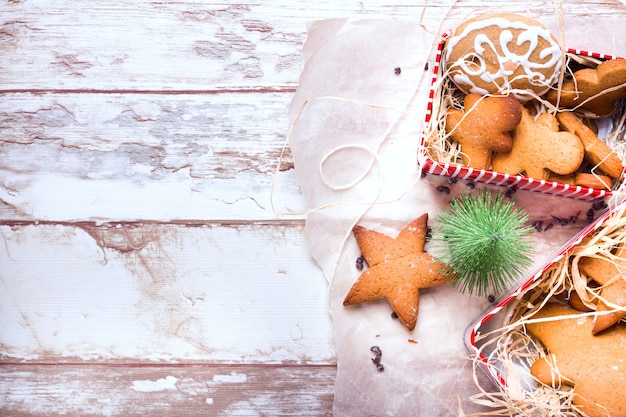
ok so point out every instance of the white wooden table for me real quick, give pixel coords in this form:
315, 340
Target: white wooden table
143, 270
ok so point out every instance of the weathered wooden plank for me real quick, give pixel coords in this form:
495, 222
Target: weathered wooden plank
215, 293
144, 156
87, 390
153, 45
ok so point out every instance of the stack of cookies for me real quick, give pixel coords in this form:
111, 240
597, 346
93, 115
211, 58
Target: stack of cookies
520, 105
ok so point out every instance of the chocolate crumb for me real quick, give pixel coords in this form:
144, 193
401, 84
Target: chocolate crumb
452, 180
394, 315
415, 342
359, 263
443, 189
599, 205
397, 70
549, 226
590, 215
471, 185
378, 353
491, 298
380, 367
538, 225
426, 67
560, 220
510, 191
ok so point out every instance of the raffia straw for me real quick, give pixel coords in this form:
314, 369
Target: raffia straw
513, 351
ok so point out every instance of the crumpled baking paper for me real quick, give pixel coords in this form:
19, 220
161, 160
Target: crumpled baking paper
356, 122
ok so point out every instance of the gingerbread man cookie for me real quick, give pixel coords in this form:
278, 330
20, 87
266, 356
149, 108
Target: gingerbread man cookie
482, 128
594, 89
398, 269
593, 365
540, 149
609, 274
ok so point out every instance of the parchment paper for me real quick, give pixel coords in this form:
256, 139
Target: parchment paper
355, 132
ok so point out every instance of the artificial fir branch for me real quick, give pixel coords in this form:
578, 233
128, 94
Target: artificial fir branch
484, 241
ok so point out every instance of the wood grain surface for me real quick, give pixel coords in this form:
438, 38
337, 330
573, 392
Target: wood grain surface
147, 263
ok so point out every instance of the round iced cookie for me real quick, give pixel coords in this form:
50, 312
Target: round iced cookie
503, 53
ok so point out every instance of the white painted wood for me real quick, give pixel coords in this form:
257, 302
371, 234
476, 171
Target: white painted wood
72, 157
230, 293
198, 390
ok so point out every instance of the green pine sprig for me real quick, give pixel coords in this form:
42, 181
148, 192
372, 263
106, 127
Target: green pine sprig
484, 241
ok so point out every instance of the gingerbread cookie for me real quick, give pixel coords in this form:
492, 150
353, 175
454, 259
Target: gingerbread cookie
598, 153
539, 149
584, 179
593, 89
503, 53
610, 274
593, 365
599, 182
482, 128
398, 269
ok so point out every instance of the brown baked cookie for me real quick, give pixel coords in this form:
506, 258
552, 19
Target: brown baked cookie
599, 182
593, 365
597, 152
503, 53
584, 179
482, 128
610, 274
398, 269
594, 89
539, 149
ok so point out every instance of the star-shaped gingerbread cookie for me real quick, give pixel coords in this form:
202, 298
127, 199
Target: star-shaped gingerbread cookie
611, 275
593, 365
594, 89
398, 269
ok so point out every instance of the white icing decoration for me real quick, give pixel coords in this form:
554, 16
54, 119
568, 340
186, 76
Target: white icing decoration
531, 35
